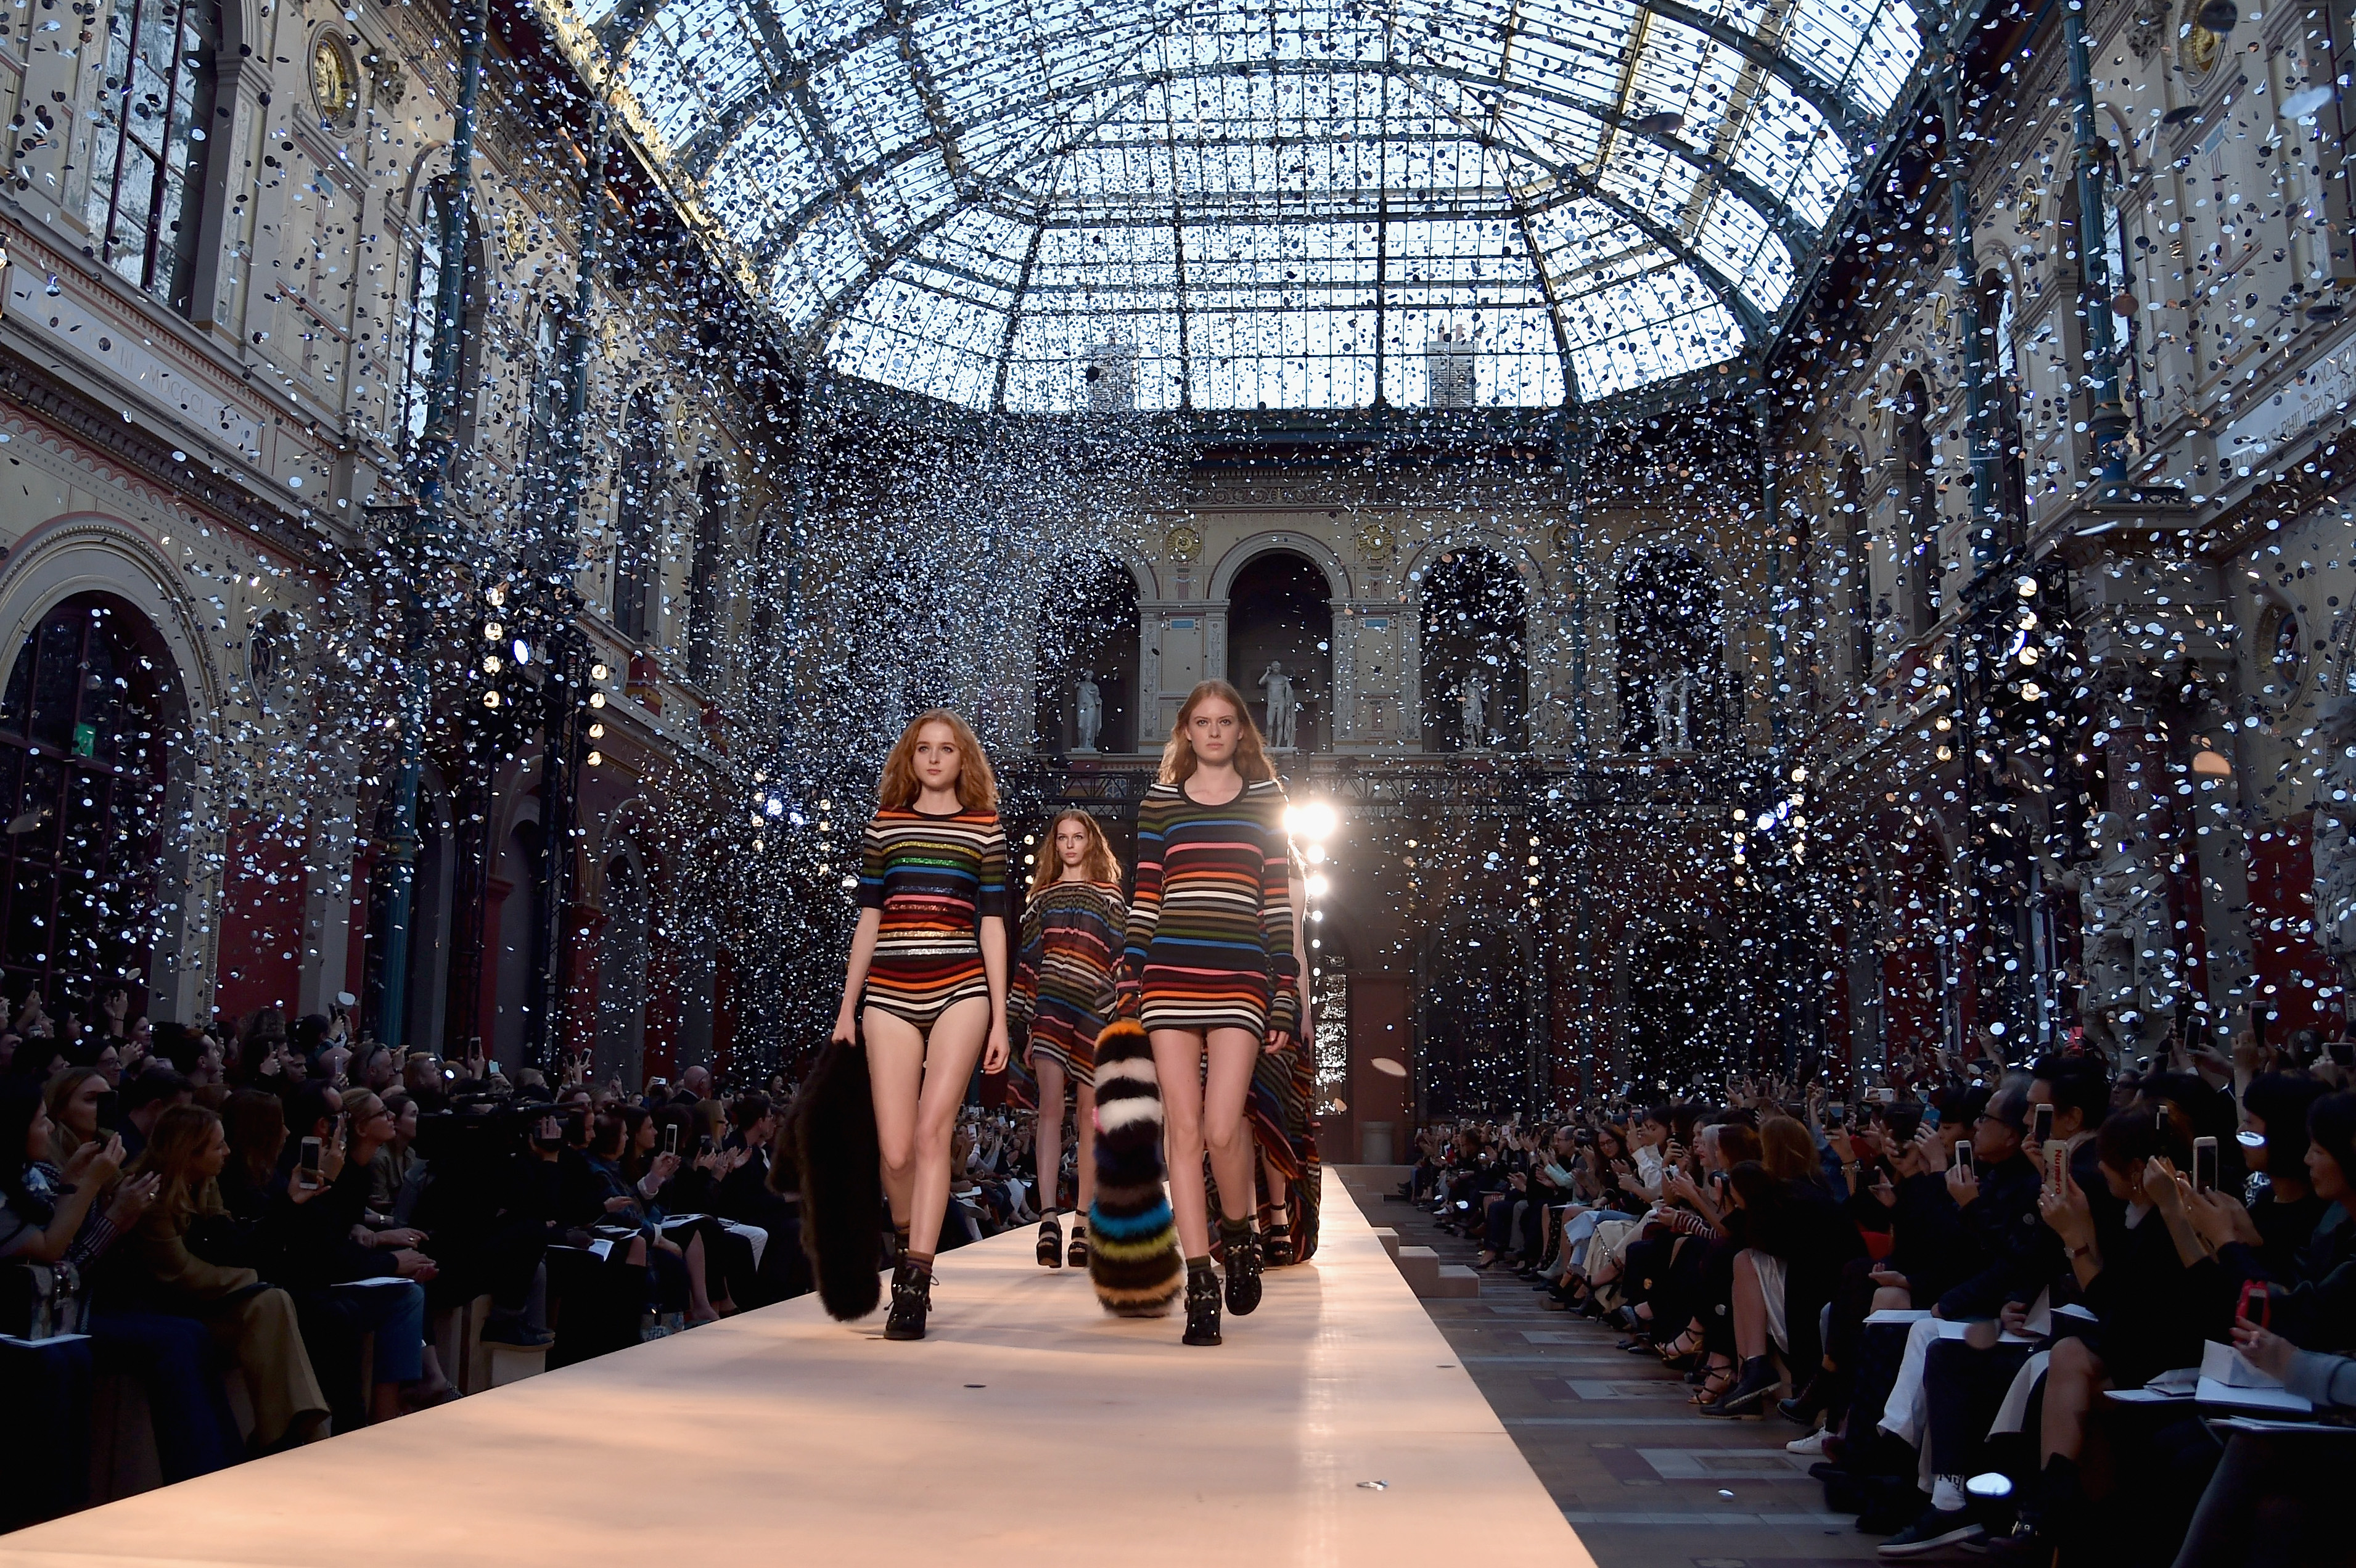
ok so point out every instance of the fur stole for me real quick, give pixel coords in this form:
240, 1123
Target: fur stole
1133, 1258
842, 1170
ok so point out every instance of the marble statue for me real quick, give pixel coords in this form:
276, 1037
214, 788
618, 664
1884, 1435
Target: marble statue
1091, 721
1282, 707
2126, 939
1473, 698
1673, 711
2335, 834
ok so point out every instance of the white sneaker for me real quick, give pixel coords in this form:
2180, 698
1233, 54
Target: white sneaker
1814, 1442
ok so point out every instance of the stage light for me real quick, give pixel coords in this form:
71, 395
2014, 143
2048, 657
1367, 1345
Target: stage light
522, 652
1312, 820
1317, 885
1315, 853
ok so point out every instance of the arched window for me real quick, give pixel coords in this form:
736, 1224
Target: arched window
703, 599
2000, 322
85, 729
637, 520
1473, 631
1917, 508
1675, 688
151, 142
420, 319
544, 454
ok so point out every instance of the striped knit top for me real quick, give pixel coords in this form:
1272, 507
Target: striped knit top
1214, 891
1072, 935
934, 877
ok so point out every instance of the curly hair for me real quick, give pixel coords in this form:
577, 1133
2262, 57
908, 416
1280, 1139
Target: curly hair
976, 786
1096, 862
1251, 753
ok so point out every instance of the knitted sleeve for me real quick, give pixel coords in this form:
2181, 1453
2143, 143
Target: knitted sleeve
990, 897
873, 861
1116, 915
1276, 918
1023, 995
1145, 903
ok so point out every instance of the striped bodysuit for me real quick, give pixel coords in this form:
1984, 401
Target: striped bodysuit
1064, 970
934, 879
1210, 930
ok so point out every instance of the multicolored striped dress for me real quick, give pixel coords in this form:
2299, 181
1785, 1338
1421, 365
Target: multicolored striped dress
1064, 970
936, 878
1210, 929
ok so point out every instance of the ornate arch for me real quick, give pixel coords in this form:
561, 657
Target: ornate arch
1304, 543
81, 553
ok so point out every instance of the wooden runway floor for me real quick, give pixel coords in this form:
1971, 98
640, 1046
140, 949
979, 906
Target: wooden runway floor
1030, 1428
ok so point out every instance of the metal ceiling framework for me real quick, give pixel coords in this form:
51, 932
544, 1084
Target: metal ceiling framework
1281, 204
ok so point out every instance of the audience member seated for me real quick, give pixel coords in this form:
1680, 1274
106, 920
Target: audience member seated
179, 1260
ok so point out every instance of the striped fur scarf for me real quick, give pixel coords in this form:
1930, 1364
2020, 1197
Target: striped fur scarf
1133, 1236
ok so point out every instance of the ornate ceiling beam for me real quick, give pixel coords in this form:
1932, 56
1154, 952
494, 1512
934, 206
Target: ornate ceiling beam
1798, 236
1809, 89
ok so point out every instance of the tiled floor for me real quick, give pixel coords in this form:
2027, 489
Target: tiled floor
1646, 1483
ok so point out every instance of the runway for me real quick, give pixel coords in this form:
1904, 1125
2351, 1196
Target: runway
1334, 1426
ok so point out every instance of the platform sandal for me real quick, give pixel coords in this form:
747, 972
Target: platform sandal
1051, 1243
1078, 1256
1713, 1386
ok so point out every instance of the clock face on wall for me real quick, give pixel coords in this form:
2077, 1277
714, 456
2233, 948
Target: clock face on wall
334, 81
2196, 46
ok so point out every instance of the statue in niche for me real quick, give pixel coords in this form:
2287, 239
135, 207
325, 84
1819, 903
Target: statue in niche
2129, 980
1673, 711
1282, 707
2335, 835
1091, 720
1473, 698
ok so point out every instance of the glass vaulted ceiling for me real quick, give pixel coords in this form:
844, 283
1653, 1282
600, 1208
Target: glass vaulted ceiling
1032, 204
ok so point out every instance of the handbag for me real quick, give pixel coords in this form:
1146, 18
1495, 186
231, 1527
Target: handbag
42, 1301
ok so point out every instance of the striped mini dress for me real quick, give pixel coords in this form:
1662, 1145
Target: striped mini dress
934, 877
1064, 972
1210, 929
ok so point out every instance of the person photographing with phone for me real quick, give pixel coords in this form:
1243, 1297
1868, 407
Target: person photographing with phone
349, 1281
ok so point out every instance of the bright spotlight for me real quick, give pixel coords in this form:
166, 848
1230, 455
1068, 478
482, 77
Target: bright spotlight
1314, 854
1311, 819
522, 652
1317, 885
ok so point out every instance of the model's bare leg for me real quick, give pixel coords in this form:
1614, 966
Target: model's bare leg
1178, 1063
956, 1045
895, 1066
1084, 1097
1050, 1139
1234, 1053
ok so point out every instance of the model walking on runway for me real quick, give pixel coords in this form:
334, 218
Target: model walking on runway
1064, 994
928, 976
1210, 952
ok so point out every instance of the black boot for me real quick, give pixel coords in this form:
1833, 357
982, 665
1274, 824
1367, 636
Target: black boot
1749, 1395
1202, 1307
911, 1297
1242, 1267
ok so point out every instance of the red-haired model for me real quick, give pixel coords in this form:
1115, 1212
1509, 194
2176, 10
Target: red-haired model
1064, 994
928, 976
